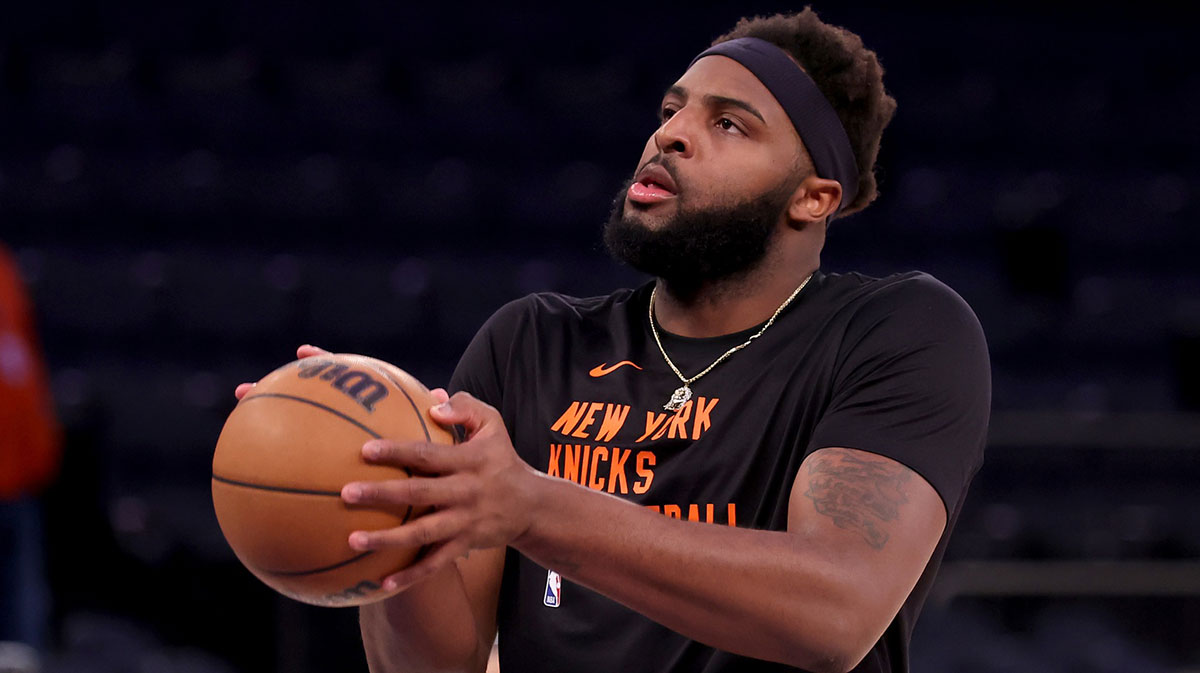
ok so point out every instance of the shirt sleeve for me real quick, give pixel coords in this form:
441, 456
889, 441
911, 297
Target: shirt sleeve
482, 367
913, 383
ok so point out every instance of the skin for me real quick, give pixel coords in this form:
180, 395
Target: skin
726, 149
861, 527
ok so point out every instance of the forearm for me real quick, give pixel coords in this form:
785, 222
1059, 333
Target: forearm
762, 594
427, 627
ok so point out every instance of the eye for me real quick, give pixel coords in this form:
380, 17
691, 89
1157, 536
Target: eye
666, 113
728, 124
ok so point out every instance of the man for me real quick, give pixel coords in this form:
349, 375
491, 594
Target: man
745, 465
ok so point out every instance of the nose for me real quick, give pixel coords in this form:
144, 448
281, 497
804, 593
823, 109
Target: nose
674, 135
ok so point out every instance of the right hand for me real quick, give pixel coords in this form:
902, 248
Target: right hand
305, 351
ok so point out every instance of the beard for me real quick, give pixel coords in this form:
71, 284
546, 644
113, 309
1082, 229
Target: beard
698, 247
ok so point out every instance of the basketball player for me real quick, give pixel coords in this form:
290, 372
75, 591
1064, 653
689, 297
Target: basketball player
744, 465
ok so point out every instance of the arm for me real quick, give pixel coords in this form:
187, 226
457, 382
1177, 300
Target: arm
817, 596
448, 622
445, 623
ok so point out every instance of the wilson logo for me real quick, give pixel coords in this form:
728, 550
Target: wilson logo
604, 370
357, 385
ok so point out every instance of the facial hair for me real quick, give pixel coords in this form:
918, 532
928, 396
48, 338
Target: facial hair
698, 247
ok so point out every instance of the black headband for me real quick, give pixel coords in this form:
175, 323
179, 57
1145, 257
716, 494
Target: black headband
812, 115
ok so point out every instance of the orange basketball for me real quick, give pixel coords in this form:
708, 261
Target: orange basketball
283, 457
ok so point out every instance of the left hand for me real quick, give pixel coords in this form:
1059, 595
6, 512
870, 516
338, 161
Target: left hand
481, 492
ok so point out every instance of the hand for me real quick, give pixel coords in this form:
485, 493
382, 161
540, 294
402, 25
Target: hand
305, 351
481, 492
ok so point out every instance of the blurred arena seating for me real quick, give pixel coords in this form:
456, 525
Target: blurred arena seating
195, 189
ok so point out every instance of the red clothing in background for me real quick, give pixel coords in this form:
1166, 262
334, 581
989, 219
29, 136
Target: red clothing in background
29, 432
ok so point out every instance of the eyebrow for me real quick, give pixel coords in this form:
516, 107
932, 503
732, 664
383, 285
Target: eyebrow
713, 100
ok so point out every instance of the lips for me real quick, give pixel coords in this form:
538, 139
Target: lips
652, 184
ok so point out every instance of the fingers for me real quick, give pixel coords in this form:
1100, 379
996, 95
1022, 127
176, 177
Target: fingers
308, 350
463, 409
418, 491
305, 351
429, 529
420, 456
440, 396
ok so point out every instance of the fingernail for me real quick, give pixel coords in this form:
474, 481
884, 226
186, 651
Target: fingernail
443, 408
352, 492
390, 585
371, 450
358, 540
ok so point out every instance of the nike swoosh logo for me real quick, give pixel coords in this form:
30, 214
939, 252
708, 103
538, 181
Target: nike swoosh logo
604, 370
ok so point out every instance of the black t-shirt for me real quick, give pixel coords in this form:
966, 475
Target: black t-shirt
896, 366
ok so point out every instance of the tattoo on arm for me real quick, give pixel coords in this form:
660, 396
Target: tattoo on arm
860, 493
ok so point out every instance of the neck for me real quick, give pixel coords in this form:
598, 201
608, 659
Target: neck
730, 305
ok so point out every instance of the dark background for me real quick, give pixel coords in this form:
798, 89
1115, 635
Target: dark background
193, 189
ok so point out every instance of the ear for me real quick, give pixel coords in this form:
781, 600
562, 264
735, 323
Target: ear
814, 200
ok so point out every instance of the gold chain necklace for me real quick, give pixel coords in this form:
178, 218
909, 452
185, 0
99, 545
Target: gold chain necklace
684, 393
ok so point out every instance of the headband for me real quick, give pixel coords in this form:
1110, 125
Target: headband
812, 115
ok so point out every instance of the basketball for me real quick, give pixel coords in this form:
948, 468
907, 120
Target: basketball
285, 453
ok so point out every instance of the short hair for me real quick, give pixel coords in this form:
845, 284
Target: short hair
845, 71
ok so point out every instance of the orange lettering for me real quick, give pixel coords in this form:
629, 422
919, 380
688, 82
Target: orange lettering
583, 465
570, 417
644, 459
616, 470
679, 421
587, 420
597, 484
693, 512
571, 462
555, 455
703, 421
614, 419
653, 420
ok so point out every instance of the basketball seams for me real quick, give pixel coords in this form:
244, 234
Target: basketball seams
293, 573
335, 412
399, 386
305, 400
276, 489
293, 420
315, 571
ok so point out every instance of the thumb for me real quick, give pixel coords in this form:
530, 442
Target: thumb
463, 409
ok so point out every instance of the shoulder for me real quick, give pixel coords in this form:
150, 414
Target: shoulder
910, 287
914, 300
520, 332
552, 308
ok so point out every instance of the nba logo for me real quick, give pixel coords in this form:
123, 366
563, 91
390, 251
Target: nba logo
553, 595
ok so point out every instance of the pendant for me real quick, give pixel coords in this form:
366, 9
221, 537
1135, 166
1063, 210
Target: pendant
678, 398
